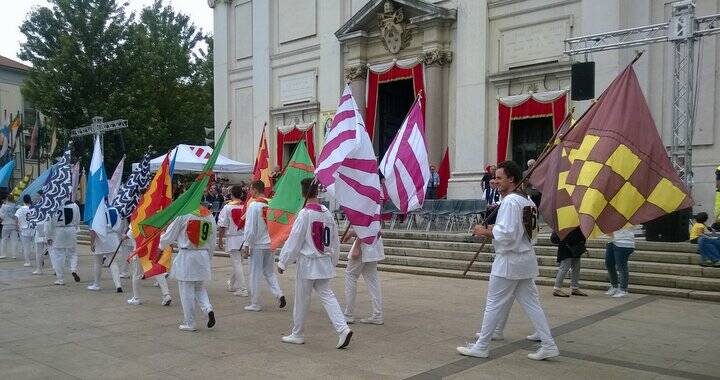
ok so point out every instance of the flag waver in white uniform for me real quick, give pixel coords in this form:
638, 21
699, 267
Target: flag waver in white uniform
405, 166
348, 169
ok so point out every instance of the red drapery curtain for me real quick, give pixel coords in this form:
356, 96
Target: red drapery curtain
394, 73
532, 107
295, 136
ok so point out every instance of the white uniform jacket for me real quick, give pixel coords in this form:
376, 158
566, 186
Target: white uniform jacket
233, 219
256, 232
63, 225
195, 238
514, 255
314, 243
22, 217
109, 242
7, 213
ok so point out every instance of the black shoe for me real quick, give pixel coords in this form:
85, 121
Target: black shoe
211, 319
76, 277
282, 302
119, 290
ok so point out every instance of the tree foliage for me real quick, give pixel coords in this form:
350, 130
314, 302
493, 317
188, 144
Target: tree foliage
92, 58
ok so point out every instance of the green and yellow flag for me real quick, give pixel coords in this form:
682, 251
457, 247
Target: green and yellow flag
611, 169
288, 199
190, 200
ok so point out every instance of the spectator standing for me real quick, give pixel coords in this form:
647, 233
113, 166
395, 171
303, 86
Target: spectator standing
433, 183
569, 254
617, 254
530, 190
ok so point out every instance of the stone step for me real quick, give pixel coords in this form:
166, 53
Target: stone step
591, 262
551, 250
543, 240
600, 275
595, 285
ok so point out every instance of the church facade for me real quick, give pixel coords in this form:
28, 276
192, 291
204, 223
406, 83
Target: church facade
492, 73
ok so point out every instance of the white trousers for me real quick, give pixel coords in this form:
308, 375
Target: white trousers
60, 256
262, 263
137, 275
40, 249
9, 242
237, 277
368, 270
122, 259
303, 291
26, 242
114, 269
501, 294
191, 292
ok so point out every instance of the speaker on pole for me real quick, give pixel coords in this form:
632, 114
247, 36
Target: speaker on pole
582, 81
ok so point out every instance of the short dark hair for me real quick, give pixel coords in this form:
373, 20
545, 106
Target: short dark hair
701, 217
511, 169
309, 188
258, 185
238, 193
27, 199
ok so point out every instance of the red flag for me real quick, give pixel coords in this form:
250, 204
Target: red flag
261, 171
444, 173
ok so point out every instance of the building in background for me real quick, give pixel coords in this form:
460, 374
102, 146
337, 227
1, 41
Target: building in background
493, 74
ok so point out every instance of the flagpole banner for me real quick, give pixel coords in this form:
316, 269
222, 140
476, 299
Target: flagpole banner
405, 166
261, 169
97, 192
56, 191
128, 194
348, 169
444, 172
6, 172
115, 180
611, 169
288, 199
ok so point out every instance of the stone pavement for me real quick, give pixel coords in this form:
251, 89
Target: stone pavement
69, 332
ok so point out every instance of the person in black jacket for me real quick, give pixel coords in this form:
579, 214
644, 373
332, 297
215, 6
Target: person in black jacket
569, 252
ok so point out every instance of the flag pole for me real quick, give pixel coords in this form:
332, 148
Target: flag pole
541, 158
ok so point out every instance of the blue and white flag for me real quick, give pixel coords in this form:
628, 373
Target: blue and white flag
129, 193
56, 190
6, 172
96, 194
38, 183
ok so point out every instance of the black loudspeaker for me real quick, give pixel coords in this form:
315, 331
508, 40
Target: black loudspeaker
582, 81
672, 227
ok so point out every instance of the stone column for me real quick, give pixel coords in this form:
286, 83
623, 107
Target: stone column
435, 61
221, 92
357, 77
261, 73
330, 75
468, 137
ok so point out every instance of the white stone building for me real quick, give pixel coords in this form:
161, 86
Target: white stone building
285, 62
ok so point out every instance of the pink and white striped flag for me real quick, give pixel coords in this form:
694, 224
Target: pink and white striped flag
405, 166
348, 169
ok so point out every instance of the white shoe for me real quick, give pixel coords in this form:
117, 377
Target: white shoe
470, 351
27, 265
3, 257
93, 287
166, 300
344, 340
253, 308
59, 282
187, 328
37, 272
293, 339
134, 301
611, 291
242, 293
544, 353
372, 321
620, 294
228, 286
349, 320
498, 336
534, 337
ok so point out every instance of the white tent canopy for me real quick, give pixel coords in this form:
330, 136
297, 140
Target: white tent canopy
192, 158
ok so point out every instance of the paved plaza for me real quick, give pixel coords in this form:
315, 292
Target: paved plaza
68, 332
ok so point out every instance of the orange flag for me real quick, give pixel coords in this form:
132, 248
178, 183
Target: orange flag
261, 171
157, 197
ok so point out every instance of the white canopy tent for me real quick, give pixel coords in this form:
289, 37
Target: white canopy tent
192, 158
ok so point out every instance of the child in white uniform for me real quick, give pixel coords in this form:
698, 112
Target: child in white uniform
61, 230
26, 231
230, 226
314, 244
194, 235
9, 236
103, 246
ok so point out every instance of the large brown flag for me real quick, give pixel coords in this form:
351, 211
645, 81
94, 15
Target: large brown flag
613, 166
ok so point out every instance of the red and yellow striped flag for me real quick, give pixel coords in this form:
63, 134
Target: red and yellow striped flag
261, 171
157, 197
